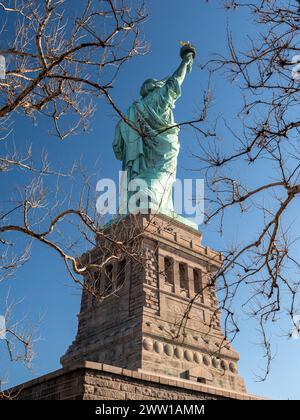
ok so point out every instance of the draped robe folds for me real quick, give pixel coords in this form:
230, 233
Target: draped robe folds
148, 144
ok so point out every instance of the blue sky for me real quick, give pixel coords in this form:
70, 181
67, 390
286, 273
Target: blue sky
43, 282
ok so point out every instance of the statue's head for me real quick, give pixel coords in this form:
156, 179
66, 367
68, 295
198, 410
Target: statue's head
149, 85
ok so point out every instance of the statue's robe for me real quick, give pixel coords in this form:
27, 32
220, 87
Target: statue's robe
148, 144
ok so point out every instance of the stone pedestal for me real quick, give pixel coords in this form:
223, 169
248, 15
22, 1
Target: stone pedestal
97, 381
164, 319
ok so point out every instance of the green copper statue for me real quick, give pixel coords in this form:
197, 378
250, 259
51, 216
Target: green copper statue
147, 139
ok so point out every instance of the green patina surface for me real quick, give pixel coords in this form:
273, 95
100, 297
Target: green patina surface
147, 142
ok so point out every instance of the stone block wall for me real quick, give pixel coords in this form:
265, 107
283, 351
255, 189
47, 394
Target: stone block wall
97, 381
142, 326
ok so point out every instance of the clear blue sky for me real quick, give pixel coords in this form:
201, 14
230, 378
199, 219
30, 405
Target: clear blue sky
44, 283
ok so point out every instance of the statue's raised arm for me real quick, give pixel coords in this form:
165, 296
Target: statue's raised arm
147, 142
187, 54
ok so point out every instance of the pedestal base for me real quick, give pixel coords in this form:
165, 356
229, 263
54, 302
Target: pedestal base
96, 381
165, 318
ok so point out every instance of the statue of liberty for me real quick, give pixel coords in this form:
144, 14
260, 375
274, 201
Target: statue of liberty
146, 140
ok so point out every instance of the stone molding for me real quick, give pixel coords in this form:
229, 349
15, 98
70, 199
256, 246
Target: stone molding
164, 383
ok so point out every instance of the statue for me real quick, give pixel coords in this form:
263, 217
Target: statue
146, 140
